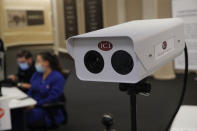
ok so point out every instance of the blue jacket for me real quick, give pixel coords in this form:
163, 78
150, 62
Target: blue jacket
44, 91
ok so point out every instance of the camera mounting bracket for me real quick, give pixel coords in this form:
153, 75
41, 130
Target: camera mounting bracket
140, 88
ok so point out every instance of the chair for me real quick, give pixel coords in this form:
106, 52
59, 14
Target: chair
49, 108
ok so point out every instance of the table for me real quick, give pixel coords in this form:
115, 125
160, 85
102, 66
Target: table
186, 119
18, 99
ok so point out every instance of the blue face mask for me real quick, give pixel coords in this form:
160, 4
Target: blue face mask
23, 66
39, 68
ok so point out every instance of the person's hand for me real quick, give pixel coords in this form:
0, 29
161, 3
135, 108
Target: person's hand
30, 108
25, 85
12, 77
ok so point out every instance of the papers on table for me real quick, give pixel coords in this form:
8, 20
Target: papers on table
17, 98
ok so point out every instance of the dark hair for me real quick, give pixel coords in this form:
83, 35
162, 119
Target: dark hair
24, 53
52, 59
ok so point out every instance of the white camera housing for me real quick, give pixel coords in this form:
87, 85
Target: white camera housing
141, 46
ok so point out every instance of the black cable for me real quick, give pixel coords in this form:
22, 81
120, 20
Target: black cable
183, 90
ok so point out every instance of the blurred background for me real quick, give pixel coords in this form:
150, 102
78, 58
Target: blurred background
44, 25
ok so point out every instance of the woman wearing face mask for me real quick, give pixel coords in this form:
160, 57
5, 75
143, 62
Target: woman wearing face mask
47, 86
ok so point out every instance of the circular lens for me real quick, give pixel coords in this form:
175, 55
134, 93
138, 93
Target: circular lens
94, 61
122, 62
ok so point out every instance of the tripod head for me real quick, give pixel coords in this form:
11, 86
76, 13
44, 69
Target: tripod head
141, 88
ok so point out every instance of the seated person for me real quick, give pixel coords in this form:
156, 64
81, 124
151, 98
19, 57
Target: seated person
25, 71
47, 86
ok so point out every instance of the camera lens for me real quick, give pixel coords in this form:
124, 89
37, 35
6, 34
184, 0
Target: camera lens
122, 62
94, 61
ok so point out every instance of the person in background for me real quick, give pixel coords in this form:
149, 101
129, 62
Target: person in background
47, 86
25, 71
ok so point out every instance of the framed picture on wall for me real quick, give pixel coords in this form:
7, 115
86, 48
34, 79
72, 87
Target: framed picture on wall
24, 18
35, 17
16, 18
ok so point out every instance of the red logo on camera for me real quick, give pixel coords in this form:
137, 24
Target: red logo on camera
164, 45
105, 45
2, 112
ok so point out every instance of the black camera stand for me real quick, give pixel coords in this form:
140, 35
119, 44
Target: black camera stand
140, 88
